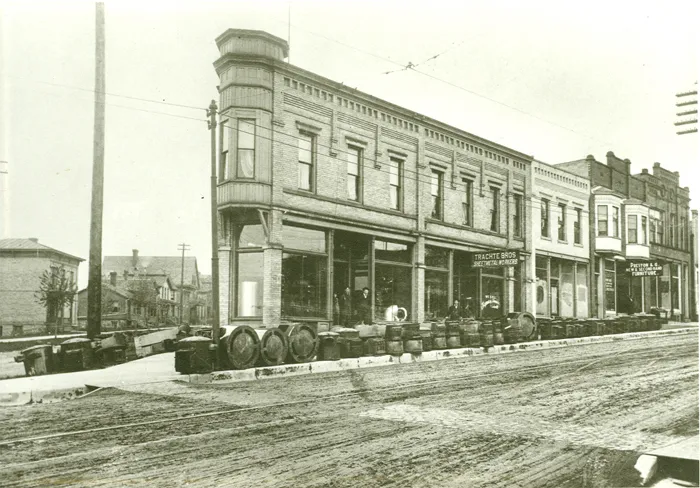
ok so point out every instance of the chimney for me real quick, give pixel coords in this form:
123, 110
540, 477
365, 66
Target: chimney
126, 275
134, 257
34, 239
113, 278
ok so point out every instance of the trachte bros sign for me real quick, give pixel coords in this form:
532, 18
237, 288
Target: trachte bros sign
496, 259
645, 268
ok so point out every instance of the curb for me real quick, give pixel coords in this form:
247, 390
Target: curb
262, 373
234, 376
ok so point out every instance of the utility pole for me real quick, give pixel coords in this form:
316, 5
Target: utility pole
94, 314
211, 112
182, 247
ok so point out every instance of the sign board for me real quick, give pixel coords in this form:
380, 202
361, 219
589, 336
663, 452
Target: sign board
644, 268
495, 259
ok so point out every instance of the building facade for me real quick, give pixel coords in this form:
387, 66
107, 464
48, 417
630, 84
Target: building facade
560, 236
640, 236
22, 263
324, 190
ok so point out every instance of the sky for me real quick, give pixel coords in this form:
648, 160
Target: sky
548, 78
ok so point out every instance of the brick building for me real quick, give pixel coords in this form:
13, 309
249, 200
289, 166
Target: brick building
561, 242
323, 188
22, 263
641, 239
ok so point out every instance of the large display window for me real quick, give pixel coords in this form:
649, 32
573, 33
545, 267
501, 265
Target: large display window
393, 278
304, 272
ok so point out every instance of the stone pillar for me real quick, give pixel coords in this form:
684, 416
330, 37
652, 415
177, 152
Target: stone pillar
272, 272
225, 285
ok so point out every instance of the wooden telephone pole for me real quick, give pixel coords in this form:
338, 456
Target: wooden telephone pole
211, 112
182, 247
94, 313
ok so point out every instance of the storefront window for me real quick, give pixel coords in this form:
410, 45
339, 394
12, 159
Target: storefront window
517, 288
610, 286
435, 294
675, 288
581, 290
393, 289
554, 287
392, 251
492, 297
665, 285
251, 236
303, 239
436, 257
567, 289
250, 284
541, 264
304, 285
466, 284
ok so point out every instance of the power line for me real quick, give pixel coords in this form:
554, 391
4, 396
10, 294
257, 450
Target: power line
411, 66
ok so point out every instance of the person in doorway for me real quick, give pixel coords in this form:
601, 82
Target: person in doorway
336, 309
454, 313
345, 304
364, 307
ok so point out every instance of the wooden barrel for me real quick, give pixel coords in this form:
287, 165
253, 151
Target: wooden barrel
350, 347
242, 347
328, 346
513, 333
427, 337
454, 340
374, 346
473, 340
273, 346
411, 331
498, 338
393, 332
302, 342
439, 342
413, 345
394, 347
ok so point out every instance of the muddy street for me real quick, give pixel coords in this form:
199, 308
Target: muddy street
571, 417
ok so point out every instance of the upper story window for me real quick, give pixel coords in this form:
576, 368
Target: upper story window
468, 203
246, 148
224, 161
436, 193
632, 229
656, 227
603, 220
305, 169
577, 227
561, 223
683, 227
672, 234
643, 233
616, 221
354, 168
395, 186
518, 215
495, 210
544, 218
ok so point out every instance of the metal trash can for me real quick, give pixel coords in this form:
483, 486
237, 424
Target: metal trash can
194, 355
38, 360
76, 354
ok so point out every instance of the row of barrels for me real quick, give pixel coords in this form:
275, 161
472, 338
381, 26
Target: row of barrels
567, 328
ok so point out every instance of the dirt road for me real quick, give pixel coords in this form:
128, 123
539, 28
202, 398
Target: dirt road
573, 417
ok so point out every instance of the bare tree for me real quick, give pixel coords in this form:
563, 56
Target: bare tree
144, 296
55, 291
